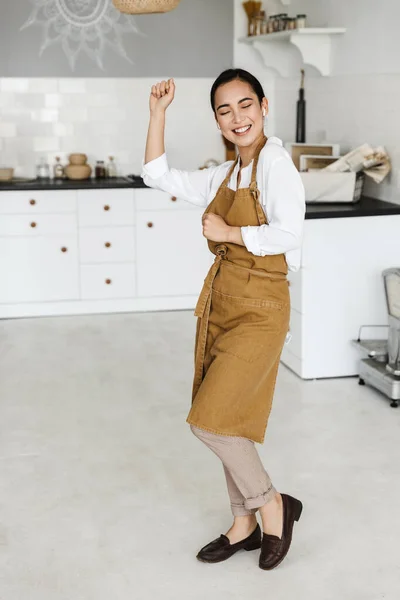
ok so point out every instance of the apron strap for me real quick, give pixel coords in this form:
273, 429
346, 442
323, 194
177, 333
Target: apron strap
253, 185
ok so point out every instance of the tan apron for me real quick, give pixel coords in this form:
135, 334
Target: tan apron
243, 318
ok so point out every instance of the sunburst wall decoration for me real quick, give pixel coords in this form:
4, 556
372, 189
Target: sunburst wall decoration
81, 26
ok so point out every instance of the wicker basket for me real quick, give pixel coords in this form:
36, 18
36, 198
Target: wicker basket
142, 7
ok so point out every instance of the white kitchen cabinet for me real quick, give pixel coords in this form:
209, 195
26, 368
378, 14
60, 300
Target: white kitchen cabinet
107, 244
38, 225
172, 254
37, 202
106, 208
38, 269
109, 281
149, 199
338, 288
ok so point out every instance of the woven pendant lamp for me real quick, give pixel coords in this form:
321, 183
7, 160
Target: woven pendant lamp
143, 7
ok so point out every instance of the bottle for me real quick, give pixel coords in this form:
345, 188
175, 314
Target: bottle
43, 169
270, 25
58, 169
301, 21
111, 167
100, 170
264, 23
301, 113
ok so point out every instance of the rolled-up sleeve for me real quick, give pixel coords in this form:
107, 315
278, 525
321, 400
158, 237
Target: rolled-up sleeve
285, 210
192, 186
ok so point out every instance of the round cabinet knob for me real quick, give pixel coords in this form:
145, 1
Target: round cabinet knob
108, 281
106, 207
32, 202
107, 245
174, 198
64, 249
149, 224
33, 224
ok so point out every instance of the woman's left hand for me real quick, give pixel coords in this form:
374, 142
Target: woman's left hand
215, 228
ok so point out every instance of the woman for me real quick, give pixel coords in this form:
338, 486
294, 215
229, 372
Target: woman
253, 223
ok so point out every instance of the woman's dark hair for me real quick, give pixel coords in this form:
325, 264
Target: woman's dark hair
231, 75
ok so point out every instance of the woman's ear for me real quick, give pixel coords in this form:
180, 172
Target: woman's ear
264, 105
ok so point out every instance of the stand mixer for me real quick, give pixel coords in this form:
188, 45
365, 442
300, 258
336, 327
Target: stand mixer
381, 367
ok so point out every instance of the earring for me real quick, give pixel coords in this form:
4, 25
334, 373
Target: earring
218, 126
264, 113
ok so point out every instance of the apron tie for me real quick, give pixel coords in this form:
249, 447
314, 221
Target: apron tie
205, 295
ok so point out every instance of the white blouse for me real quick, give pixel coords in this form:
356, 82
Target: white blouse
281, 197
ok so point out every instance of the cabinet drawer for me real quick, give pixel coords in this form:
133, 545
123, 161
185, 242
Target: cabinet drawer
38, 225
37, 202
149, 199
102, 208
108, 244
39, 269
107, 281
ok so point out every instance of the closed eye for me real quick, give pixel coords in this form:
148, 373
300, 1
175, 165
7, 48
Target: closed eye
248, 106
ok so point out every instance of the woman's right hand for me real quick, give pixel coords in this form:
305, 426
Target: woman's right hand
161, 96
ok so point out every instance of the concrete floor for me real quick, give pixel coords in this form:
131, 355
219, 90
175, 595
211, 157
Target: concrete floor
106, 495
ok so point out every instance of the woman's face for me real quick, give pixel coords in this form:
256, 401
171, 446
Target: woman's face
238, 113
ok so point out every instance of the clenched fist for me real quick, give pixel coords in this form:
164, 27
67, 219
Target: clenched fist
215, 229
161, 96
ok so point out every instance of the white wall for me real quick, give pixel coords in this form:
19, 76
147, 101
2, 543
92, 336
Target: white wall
49, 117
359, 102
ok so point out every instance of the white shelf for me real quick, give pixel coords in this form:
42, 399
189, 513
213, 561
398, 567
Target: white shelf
314, 44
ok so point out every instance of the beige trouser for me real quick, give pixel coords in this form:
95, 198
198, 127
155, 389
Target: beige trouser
249, 485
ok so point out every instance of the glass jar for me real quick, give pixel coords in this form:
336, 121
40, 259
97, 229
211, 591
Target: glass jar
270, 24
43, 169
292, 23
58, 169
301, 21
282, 21
264, 23
100, 170
111, 167
258, 24
276, 23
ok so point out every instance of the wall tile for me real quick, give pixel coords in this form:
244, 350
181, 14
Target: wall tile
14, 84
72, 86
54, 100
8, 130
46, 144
42, 85
73, 115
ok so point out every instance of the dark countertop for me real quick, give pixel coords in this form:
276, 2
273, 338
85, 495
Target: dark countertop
367, 207
69, 184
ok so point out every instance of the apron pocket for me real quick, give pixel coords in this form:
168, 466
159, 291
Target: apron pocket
250, 328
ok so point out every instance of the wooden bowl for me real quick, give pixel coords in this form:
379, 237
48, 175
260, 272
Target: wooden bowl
78, 171
6, 173
77, 159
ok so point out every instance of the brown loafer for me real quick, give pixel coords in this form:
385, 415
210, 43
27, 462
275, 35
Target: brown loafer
274, 549
221, 548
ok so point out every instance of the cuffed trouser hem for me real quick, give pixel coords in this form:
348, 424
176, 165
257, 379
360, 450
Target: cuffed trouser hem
239, 510
256, 503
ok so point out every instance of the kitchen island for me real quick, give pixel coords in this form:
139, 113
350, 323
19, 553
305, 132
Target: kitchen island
102, 246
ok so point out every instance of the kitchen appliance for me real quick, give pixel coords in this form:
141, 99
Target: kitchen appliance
381, 366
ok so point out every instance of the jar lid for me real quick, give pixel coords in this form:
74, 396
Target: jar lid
301, 16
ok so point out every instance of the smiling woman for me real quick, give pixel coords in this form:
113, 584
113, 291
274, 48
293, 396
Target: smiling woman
253, 221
